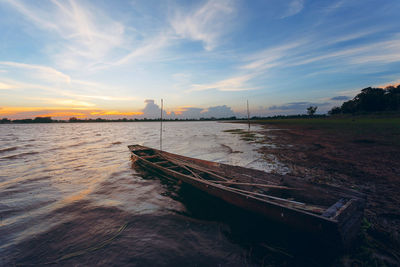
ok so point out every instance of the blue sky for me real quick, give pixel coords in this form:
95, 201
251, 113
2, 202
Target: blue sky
106, 58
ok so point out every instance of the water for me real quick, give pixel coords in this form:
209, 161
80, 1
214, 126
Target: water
69, 195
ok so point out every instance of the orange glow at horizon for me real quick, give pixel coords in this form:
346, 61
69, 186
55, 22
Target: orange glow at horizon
64, 115
114, 112
60, 113
78, 112
181, 109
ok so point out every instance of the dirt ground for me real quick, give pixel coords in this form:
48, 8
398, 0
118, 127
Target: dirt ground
368, 164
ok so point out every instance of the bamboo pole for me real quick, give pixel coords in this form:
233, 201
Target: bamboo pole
248, 114
161, 124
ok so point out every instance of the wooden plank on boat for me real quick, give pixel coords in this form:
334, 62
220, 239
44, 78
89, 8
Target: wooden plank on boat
322, 210
257, 185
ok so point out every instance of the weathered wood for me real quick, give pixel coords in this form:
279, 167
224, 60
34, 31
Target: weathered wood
172, 167
257, 185
297, 203
294, 204
198, 168
150, 157
332, 210
161, 162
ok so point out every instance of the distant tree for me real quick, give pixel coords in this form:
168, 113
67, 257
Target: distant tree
43, 120
392, 98
372, 100
5, 120
335, 110
349, 107
23, 121
311, 110
73, 119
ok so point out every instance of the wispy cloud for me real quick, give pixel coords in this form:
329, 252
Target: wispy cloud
392, 83
6, 86
71, 103
49, 81
145, 50
270, 57
295, 6
206, 24
308, 51
234, 84
115, 113
376, 52
45, 72
88, 37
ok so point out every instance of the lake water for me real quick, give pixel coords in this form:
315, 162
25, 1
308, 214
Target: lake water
69, 195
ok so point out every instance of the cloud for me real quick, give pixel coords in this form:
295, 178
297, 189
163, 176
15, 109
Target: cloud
5, 86
295, 6
340, 98
270, 57
378, 52
147, 49
234, 84
151, 110
89, 33
218, 112
190, 113
115, 113
392, 83
61, 114
51, 82
308, 51
106, 97
71, 103
206, 24
46, 73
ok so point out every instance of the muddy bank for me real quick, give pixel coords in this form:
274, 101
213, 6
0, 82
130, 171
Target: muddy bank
366, 161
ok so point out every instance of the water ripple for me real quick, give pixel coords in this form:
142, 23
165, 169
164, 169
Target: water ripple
75, 187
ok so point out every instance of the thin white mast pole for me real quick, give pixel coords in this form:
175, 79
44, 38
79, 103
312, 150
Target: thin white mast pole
248, 114
161, 124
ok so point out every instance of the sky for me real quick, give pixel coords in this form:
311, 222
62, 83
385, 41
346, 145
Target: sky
115, 59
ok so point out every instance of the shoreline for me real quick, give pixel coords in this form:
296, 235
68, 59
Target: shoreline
360, 160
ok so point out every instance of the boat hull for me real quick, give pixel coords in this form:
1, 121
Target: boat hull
340, 230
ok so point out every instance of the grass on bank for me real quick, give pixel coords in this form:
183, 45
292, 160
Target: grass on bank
367, 129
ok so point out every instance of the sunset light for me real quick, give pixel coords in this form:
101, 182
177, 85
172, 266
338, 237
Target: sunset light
199, 133
110, 59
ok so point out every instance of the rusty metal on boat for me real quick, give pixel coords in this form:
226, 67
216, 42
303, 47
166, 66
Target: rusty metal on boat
328, 212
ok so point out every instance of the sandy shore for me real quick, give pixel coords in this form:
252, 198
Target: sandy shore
365, 162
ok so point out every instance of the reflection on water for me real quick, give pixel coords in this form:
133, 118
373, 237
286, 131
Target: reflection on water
69, 195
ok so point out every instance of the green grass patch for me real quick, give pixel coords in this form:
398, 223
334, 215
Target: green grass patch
235, 131
360, 129
244, 135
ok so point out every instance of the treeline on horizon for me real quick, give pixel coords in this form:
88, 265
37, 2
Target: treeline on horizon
76, 120
370, 100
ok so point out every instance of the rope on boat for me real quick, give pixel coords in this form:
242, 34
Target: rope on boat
220, 183
296, 204
186, 165
258, 185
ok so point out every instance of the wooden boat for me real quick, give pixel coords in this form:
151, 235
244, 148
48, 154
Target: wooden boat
329, 212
